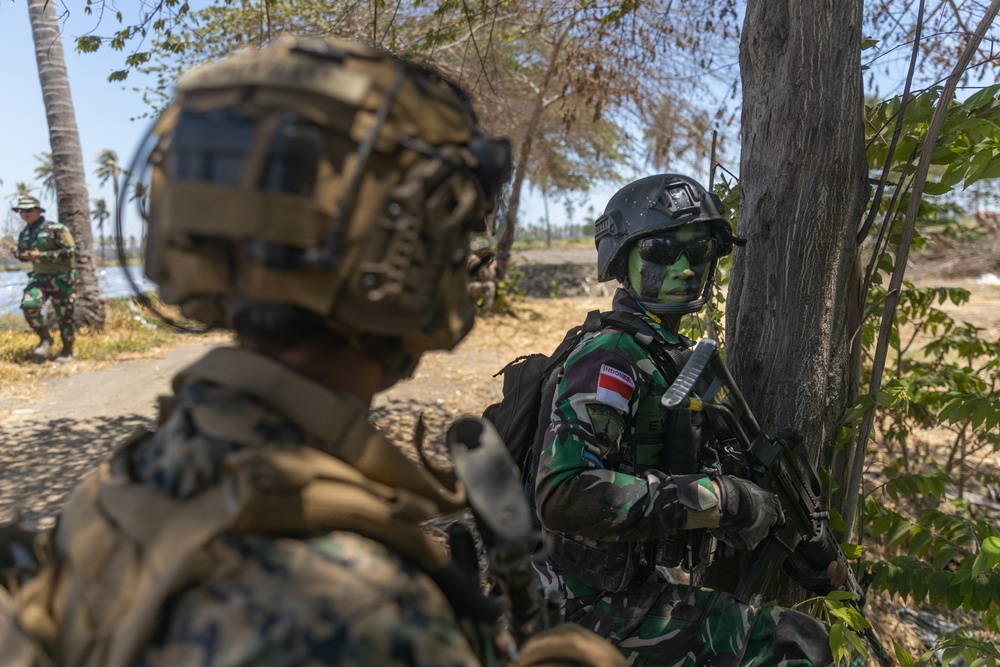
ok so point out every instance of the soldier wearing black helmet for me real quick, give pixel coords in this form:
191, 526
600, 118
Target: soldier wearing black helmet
624, 487
316, 197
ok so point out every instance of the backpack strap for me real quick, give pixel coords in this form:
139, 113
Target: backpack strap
110, 569
670, 357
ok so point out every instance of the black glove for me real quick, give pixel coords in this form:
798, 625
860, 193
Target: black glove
748, 512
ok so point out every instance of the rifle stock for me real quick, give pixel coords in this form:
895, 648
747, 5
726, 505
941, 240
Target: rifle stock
503, 519
803, 545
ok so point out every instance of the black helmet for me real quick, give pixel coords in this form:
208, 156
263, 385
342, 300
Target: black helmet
647, 207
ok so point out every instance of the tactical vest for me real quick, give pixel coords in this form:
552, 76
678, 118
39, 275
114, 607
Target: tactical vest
667, 440
37, 238
108, 569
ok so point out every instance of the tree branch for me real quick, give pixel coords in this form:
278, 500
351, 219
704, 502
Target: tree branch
909, 224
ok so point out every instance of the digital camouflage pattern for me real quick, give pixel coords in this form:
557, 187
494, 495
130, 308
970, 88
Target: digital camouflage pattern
51, 277
337, 598
195, 545
597, 480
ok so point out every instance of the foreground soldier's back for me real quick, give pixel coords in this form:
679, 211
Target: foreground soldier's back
317, 198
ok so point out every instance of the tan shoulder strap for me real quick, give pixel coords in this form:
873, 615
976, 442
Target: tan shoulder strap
17, 647
122, 548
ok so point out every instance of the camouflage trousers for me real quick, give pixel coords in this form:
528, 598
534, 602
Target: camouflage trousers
653, 622
60, 287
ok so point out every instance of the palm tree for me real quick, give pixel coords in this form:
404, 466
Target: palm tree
67, 157
140, 191
100, 214
108, 168
45, 173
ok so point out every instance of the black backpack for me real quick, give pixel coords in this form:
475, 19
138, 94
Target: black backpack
529, 383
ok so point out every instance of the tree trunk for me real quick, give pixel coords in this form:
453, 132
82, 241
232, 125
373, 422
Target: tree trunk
67, 157
793, 299
523, 157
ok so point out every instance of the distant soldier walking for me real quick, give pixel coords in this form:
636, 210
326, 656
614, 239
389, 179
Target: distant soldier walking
49, 246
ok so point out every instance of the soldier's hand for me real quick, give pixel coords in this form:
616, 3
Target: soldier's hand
31, 255
748, 512
569, 645
13, 251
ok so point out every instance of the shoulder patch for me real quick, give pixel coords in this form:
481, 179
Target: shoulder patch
608, 427
615, 387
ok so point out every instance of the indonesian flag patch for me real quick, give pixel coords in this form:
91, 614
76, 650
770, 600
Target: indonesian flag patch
615, 388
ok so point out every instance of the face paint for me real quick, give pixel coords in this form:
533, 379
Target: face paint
673, 266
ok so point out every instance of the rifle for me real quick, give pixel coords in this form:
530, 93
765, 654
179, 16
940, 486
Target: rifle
503, 519
803, 545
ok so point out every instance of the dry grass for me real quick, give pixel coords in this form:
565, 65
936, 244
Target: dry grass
128, 331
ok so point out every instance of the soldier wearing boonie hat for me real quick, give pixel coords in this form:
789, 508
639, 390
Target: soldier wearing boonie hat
49, 246
317, 197
27, 203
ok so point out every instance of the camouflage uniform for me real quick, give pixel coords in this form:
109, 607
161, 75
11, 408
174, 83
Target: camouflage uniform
602, 479
52, 276
482, 279
338, 598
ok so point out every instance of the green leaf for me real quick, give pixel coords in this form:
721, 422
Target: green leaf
990, 170
87, 44
840, 596
991, 546
981, 98
902, 655
852, 551
949, 654
978, 165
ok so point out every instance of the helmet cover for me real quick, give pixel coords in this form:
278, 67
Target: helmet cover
326, 175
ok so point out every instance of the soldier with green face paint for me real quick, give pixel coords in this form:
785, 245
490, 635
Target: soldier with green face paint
628, 491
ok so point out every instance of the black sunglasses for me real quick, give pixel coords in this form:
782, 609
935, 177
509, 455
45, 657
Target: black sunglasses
660, 250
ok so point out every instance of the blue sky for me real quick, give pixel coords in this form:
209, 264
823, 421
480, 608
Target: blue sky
104, 111
109, 114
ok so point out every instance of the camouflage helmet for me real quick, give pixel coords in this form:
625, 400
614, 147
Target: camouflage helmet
326, 175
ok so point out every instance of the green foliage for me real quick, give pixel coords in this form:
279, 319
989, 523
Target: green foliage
709, 321
509, 290
967, 150
938, 549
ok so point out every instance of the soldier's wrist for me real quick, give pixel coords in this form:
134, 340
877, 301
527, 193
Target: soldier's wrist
699, 495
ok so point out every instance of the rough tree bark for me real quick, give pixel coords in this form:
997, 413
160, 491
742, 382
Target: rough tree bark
792, 305
67, 156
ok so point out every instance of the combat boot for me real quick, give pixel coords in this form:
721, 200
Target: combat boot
43, 346
66, 353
